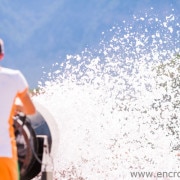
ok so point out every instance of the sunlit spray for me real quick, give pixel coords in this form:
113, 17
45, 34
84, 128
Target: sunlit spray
115, 104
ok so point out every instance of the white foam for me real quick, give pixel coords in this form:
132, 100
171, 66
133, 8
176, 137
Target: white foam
111, 115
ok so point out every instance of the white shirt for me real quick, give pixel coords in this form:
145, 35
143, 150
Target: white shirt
12, 82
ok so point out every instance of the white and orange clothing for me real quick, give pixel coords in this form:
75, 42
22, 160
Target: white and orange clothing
12, 85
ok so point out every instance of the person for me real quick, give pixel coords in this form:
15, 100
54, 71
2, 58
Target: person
12, 85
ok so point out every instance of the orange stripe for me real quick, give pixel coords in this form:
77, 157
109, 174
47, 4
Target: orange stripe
21, 94
11, 133
8, 169
9, 166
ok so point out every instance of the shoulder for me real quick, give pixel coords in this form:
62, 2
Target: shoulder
11, 72
12, 75
13, 78
8, 70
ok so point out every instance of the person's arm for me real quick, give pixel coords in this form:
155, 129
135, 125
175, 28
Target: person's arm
28, 106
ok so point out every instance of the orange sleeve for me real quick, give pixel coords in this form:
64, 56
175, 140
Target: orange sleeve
28, 106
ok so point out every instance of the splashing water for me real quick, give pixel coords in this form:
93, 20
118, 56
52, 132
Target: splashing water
113, 112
